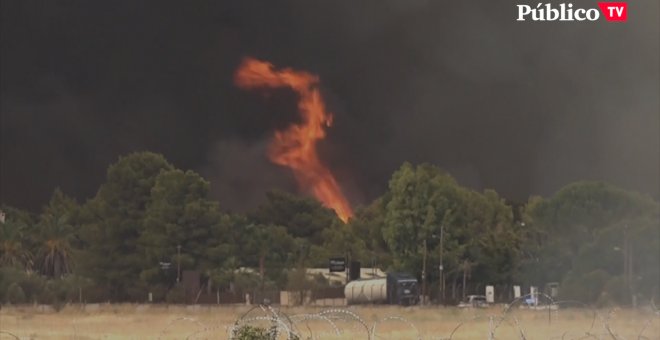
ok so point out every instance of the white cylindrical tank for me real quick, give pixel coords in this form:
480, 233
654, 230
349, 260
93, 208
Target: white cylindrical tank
366, 291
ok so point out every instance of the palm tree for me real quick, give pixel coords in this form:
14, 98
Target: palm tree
13, 251
54, 256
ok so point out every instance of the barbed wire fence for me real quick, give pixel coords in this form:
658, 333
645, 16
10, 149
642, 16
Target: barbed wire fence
335, 322
494, 321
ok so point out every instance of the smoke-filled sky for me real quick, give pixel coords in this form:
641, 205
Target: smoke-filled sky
520, 107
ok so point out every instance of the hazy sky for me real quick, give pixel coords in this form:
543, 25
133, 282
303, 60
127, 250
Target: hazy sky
520, 107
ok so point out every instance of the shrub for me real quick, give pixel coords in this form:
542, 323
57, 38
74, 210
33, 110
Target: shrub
73, 286
48, 295
8, 276
247, 332
39, 289
15, 294
614, 293
32, 285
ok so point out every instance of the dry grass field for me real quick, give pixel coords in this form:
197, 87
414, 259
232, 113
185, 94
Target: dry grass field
117, 321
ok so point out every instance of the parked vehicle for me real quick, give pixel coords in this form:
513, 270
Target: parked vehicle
396, 289
474, 301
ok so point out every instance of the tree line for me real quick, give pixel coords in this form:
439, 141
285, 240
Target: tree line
150, 219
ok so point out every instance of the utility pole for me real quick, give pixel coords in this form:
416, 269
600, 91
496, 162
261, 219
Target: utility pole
347, 263
626, 282
629, 285
424, 276
630, 276
261, 270
178, 263
442, 273
465, 268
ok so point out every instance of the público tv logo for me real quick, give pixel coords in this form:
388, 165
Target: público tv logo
612, 11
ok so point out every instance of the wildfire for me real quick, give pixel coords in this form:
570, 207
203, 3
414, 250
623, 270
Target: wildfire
295, 147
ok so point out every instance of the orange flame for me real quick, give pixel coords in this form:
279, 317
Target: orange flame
295, 147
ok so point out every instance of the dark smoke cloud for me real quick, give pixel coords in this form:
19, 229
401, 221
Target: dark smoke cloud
245, 173
523, 108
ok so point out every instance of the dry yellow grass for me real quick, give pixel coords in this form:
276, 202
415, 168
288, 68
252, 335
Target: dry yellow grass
125, 321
